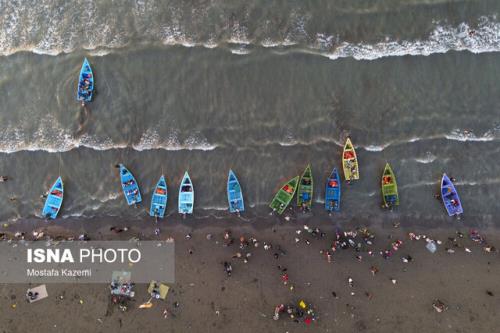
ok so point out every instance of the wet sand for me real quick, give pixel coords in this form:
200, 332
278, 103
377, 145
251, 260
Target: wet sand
210, 301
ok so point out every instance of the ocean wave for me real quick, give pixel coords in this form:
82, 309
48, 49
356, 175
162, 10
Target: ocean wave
454, 135
466, 135
429, 158
53, 28
151, 139
52, 138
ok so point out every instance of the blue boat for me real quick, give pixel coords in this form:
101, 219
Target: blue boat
159, 199
450, 197
129, 186
54, 200
85, 83
186, 195
332, 193
234, 194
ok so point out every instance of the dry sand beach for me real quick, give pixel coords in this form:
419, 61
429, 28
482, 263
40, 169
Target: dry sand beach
205, 299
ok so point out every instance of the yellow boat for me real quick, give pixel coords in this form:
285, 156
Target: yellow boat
350, 161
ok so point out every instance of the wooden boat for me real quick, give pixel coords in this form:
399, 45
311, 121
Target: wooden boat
389, 187
129, 186
332, 192
159, 199
186, 195
450, 197
234, 194
350, 161
54, 200
282, 199
305, 189
85, 89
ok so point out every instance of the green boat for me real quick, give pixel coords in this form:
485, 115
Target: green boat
389, 188
305, 190
284, 195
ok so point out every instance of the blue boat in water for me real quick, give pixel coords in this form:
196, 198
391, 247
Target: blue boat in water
159, 199
85, 83
234, 194
54, 200
129, 186
332, 193
450, 197
186, 195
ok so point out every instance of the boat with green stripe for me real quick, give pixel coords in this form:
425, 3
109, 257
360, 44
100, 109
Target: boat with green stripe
285, 194
389, 188
305, 190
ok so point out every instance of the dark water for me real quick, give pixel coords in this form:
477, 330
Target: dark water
261, 87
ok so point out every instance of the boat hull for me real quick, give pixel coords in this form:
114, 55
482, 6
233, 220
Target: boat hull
450, 197
350, 162
234, 194
54, 200
305, 189
285, 194
389, 187
186, 195
159, 199
85, 90
333, 192
129, 186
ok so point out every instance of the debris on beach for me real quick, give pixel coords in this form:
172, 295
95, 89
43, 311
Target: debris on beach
476, 237
228, 268
407, 259
158, 290
146, 305
122, 289
297, 311
489, 249
36, 294
439, 306
431, 246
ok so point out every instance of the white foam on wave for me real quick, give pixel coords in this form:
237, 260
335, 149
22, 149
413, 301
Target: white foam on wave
151, 139
490, 181
444, 38
375, 148
429, 158
292, 141
52, 137
465, 135
53, 31
455, 135
240, 51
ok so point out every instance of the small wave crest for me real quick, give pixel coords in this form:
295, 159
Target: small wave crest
52, 138
50, 28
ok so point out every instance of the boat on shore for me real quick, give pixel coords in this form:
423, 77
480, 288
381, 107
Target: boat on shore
450, 197
285, 194
54, 200
159, 199
389, 187
332, 192
305, 189
129, 186
186, 195
234, 194
85, 89
350, 162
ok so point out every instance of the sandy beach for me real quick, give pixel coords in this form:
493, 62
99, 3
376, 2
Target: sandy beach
205, 299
